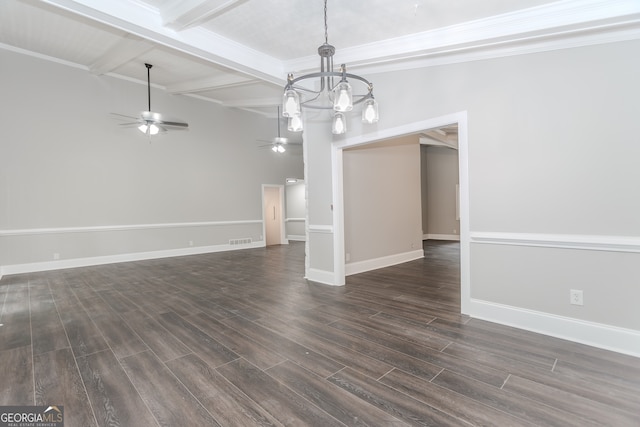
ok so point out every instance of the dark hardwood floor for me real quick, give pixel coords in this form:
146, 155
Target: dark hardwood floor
240, 338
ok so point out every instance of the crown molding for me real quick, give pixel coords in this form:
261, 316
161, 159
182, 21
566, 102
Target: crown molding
550, 26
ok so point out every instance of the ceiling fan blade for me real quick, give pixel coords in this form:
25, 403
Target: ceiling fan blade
119, 116
174, 124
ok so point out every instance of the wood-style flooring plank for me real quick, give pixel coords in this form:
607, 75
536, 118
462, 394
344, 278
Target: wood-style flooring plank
391, 401
376, 351
280, 401
527, 409
170, 402
114, 399
244, 346
116, 301
206, 347
16, 374
581, 407
83, 335
157, 338
469, 368
334, 400
46, 327
346, 356
454, 404
304, 356
228, 405
58, 382
14, 316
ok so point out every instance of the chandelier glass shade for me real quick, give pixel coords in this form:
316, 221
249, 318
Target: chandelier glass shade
333, 92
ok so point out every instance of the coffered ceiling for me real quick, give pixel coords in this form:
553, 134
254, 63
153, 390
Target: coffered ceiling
238, 52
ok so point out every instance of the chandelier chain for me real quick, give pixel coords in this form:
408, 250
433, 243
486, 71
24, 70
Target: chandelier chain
326, 31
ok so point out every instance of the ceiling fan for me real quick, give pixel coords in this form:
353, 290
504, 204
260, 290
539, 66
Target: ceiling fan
279, 143
149, 122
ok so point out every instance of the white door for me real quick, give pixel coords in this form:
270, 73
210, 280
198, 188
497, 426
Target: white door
272, 215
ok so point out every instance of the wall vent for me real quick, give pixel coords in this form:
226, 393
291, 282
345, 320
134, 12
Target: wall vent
244, 241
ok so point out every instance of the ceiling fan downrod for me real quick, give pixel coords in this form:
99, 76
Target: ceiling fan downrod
148, 84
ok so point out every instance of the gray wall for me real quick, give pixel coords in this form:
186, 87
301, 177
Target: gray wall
296, 210
73, 183
439, 177
553, 183
382, 213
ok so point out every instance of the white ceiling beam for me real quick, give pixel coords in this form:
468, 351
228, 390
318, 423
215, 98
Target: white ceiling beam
145, 21
432, 138
255, 102
124, 51
209, 83
181, 14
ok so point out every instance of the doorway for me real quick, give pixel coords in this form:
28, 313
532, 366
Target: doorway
460, 119
272, 214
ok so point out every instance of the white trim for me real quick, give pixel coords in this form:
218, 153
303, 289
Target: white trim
385, 261
295, 220
321, 276
101, 228
297, 237
111, 259
463, 169
558, 25
503, 48
337, 211
320, 229
612, 338
454, 237
563, 241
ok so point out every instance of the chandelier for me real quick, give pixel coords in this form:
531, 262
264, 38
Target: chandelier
334, 93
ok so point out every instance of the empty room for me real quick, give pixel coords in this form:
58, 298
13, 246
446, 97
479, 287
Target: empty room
319, 213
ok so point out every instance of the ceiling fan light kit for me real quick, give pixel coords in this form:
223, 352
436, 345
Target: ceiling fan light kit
338, 97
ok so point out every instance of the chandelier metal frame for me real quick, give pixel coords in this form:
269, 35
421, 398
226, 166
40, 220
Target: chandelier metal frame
337, 96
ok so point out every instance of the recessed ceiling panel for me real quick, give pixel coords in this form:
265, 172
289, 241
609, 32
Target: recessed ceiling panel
288, 29
51, 31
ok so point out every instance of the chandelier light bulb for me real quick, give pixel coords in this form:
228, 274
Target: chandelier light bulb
294, 124
343, 100
339, 124
290, 103
370, 111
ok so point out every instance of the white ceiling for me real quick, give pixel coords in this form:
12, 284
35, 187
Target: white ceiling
238, 52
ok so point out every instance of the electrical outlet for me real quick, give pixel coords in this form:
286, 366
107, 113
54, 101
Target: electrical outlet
575, 297
56, 255
348, 257
190, 242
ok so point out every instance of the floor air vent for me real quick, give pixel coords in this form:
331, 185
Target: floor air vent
240, 241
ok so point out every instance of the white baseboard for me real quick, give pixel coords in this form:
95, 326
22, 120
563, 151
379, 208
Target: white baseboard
322, 276
455, 237
297, 237
112, 259
621, 340
386, 261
